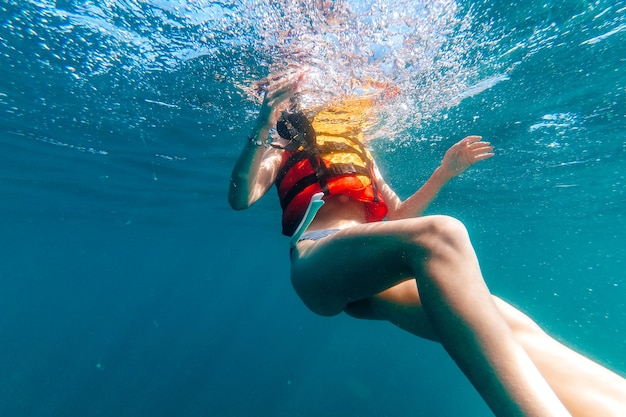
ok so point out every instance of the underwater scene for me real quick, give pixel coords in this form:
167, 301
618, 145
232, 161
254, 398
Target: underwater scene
129, 287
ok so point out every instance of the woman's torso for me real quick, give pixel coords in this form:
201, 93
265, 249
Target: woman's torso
338, 212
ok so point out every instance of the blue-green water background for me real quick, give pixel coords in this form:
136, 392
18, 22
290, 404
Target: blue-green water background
129, 288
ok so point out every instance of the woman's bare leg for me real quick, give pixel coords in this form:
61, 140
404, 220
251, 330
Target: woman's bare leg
585, 388
362, 261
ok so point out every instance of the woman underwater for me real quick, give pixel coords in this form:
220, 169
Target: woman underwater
419, 273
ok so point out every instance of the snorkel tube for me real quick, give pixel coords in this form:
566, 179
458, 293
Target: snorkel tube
314, 206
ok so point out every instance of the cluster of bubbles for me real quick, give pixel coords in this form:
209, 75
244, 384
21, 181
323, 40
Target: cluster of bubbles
420, 55
426, 52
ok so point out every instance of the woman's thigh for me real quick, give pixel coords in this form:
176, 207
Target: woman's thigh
400, 305
361, 261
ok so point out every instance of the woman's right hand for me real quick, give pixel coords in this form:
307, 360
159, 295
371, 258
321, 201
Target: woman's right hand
276, 96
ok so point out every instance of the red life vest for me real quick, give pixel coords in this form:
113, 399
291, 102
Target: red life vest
333, 163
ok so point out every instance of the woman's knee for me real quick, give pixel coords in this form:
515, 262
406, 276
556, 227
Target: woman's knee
448, 227
441, 234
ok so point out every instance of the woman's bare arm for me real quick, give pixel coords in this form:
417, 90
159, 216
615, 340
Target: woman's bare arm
257, 165
457, 160
254, 171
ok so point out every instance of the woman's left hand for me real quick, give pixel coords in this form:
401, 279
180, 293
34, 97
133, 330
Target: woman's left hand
464, 154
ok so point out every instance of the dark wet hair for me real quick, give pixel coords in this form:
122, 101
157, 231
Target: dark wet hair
296, 127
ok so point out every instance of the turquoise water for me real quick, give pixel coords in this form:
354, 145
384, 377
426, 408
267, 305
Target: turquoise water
128, 287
